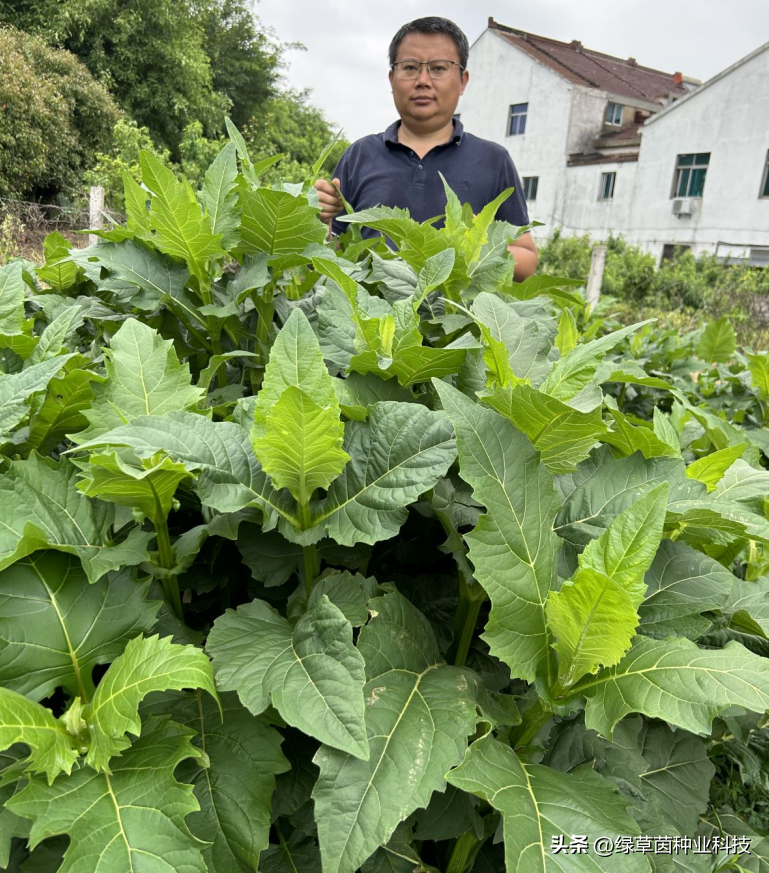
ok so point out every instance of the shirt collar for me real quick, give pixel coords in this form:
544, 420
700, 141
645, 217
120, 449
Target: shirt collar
390, 136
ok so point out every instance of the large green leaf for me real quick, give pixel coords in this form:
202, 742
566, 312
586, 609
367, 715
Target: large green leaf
758, 365
678, 774
513, 548
181, 228
718, 342
144, 377
55, 626
575, 371
276, 222
147, 664
526, 345
24, 721
419, 713
40, 507
743, 484
400, 453
682, 583
311, 673
219, 196
710, 469
594, 616
626, 550
12, 293
541, 805
603, 486
149, 278
564, 436
235, 781
17, 390
130, 820
298, 434
297, 854
148, 485
676, 681
295, 361
230, 477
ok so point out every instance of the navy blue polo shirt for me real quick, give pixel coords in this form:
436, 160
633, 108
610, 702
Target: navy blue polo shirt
377, 170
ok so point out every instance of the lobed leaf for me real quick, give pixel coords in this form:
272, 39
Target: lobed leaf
418, 716
513, 548
130, 819
147, 664
311, 673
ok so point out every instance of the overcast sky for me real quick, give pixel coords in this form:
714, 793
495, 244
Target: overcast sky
346, 59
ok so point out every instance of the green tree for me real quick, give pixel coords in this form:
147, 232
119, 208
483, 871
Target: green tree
245, 58
54, 117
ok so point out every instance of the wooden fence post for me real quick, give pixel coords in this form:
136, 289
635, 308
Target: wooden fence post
96, 210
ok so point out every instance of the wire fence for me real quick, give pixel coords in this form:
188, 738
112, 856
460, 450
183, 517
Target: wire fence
24, 225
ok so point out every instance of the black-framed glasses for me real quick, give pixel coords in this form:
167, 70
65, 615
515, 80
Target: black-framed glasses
410, 69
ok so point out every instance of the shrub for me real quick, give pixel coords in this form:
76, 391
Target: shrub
54, 118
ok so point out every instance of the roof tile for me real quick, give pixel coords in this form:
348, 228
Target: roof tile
625, 78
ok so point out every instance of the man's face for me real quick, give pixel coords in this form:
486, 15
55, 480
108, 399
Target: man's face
424, 101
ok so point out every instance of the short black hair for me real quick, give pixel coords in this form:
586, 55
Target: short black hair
432, 24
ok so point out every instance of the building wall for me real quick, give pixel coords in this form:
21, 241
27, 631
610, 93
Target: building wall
583, 212
729, 119
500, 76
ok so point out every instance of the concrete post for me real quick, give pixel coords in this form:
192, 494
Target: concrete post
594, 280
96, 210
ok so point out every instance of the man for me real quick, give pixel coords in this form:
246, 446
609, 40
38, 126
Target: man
400, 167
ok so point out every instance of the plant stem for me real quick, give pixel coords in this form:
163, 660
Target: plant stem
471, 596
311, 565
309, 553
166, 554
463, 853
470, 610
265, 310
535, 718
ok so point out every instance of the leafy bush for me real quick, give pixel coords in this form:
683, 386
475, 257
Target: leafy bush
365, 558
698, 289
53, 117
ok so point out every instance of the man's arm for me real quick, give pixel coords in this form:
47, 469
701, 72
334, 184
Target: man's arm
524, 250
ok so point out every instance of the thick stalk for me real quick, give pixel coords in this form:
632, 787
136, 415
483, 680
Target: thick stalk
467, 613
265, 310
534, 719
463, 853
166, 560
309, 553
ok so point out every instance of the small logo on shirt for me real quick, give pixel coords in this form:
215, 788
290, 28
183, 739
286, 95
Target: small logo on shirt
465, 186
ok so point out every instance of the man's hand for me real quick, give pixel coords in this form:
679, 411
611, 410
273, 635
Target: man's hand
329, 200
524, 250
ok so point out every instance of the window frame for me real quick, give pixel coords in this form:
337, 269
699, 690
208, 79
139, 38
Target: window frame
528, 183
687, 166
763, 191
602, 187
513, 116
611, 113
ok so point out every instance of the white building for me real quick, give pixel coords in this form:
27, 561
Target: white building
605, 145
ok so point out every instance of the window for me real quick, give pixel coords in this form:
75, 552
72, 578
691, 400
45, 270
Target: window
607, 186
765, 184
613, 114
517, 122
672, 250
690, 175
530, 185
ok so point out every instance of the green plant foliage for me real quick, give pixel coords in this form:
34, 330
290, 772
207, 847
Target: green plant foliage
354, 557
56, 116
